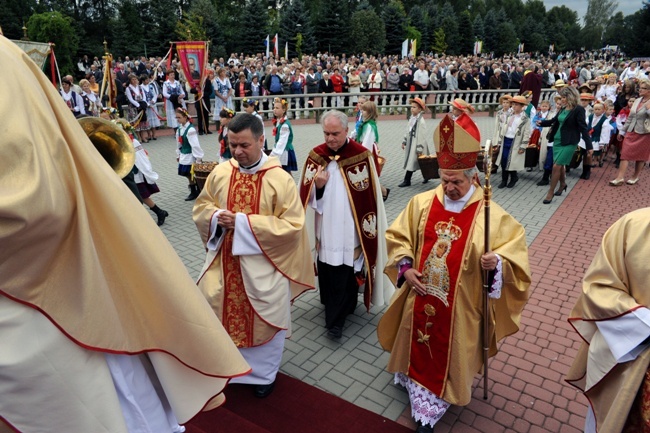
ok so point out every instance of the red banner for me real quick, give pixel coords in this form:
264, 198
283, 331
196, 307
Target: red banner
193, 57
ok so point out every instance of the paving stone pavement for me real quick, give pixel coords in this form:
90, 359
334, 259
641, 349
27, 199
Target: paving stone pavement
354, 368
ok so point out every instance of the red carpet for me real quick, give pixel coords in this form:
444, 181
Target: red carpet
292, 407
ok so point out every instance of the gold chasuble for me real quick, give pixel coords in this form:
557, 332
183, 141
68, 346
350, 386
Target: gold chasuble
77, 247
435, 339
249, 293
614, 286
360, 179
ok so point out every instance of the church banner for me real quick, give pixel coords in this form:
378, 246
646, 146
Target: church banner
193, 57
37, 51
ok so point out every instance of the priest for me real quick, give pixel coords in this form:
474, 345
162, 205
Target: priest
252, 223
102, 329
612, 317
342, 196
433, 327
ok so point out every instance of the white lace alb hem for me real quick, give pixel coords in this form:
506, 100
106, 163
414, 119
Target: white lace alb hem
426, 407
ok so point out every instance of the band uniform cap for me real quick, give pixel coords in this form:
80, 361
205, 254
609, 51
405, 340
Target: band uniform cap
457, 143
587, 96
460, 104
519, 99
419, 102
559, 84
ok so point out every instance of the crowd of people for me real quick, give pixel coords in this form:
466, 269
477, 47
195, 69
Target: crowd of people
260, 229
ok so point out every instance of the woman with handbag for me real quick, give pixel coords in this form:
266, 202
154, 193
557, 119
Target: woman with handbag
566, 129
636, 146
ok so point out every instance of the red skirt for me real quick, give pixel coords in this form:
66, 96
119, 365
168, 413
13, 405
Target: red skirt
636, 147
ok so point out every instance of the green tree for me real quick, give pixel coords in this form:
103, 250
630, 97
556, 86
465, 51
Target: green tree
128, 30
449, 23
598, 13
59, 29
466, 37
432, 23
477, 8
332, 28
12, 16
490, 31
615, 30
563, 28
478, 28
414, 34
439, 41
417, 21
395, 19
160, 21
251, 38
293, 20
637, 37
505, 43
368, 32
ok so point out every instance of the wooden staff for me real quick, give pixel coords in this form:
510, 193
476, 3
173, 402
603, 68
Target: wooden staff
487, 195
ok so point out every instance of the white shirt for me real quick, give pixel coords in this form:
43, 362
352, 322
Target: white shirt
513, 123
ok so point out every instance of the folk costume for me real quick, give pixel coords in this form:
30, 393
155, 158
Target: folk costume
136, 113
283, 149
435, 340
74, 102
92, 104
188, 149
416, 143
92, 285
252, 273
516, 135
612, 317
534, 149
151, 96
171, 92
348, 219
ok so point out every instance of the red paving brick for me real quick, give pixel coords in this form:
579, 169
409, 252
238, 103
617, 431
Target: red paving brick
527, 392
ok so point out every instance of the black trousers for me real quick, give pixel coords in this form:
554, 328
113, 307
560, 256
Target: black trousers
338, 292
203, 116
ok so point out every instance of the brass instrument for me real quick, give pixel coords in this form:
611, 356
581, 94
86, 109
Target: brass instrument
112, 142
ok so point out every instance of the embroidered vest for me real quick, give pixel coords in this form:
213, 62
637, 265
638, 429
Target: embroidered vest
183, 142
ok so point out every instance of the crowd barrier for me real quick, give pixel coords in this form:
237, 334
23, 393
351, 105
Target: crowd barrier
313, 105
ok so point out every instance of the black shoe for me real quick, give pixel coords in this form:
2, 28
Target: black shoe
162, 214
423, 428
560, 191
385, 197
547, 201
403, 184
425, 181
543, 182
262, 391
586, 175
335, 332
194, 192
513, 182
503, 184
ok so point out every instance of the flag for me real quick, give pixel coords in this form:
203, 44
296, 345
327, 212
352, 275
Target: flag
551, 48
275, 46
405, 48
286, 50
197, 51
520, 49
266, 44
413, 47
477, 48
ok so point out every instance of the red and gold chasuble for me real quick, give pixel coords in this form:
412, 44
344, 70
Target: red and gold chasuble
238, 313
354, 162
447, 236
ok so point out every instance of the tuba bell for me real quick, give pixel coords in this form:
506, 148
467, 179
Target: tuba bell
112, 142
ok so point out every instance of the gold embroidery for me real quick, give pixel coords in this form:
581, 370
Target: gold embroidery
238, 313
436, 272
423, 337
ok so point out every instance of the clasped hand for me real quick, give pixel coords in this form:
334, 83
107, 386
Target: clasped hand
226, 219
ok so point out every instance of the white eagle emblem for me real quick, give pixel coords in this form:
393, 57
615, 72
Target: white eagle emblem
358, 176
310, 172
370, 225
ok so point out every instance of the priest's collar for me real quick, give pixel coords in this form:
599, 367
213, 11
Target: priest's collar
252, 169
457, 206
